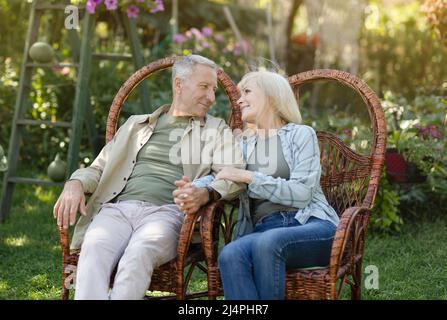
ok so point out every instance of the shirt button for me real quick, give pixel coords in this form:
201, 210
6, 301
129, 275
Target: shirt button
114, 193
125, 178
133, 161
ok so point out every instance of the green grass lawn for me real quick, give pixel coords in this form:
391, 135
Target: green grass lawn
411, 265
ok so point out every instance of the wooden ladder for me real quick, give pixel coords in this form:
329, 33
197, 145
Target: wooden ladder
82, 111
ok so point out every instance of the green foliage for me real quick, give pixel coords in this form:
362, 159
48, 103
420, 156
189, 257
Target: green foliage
417, 130
385, 216
398, 53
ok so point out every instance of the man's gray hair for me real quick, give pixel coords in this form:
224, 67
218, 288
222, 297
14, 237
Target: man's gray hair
184, 65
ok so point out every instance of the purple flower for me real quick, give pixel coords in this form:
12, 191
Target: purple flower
196, 32
237, 51
160, 6
111, 4
428, 131
90, 6
133, 11
434, 132
206, 31
179, 38
347, 132
219, 38
205, 44
96, 2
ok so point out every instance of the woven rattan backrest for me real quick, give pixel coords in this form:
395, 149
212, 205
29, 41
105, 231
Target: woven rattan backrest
348, 178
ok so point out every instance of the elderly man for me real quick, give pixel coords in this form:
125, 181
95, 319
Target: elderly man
132, 218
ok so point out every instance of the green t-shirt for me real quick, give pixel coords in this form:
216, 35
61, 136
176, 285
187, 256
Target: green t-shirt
153, 176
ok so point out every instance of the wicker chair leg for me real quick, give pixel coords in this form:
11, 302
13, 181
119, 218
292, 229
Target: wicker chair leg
64, 294
64, 291
212, 294
356, 288
213, 283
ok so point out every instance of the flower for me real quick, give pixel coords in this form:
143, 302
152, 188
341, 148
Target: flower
430, 131
300, 39
111, 4
160, 6
219, 38
206, 31
179, 38
347, 132
196, 32
133, 11
90, 6
132, 7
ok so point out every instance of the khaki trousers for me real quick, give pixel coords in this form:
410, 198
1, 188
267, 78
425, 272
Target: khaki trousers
140, 235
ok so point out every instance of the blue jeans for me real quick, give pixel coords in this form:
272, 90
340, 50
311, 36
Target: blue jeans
254, 266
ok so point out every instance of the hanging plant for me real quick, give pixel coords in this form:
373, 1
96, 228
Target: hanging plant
131, 7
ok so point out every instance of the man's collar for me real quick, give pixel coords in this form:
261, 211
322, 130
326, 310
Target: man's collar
151, 118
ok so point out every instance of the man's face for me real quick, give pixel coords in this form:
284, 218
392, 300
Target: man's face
196, 93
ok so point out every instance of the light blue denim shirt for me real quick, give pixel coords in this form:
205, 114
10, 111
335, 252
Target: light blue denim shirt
302, 190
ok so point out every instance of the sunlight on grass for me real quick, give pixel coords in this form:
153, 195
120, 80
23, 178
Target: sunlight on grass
40, 282
158, 293
29, 208
45, 195
41, 287
4, 287
51, 293
17, 241
199, 284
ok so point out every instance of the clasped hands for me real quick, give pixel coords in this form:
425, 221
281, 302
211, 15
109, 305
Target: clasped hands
189, 198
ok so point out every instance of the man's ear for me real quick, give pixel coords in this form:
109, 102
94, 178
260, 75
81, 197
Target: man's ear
178, 85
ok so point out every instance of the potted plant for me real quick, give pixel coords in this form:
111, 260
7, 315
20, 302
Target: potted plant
412, 153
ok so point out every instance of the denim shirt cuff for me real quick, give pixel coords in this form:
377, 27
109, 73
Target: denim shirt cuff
257, 179
203, 182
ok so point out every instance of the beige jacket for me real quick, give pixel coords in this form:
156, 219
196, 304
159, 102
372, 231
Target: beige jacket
106, 177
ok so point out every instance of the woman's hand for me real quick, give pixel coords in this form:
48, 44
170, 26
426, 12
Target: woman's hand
235, 175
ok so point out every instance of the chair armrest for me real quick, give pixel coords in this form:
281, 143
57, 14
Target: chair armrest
210, 225
64, 240
187, 231
350, 234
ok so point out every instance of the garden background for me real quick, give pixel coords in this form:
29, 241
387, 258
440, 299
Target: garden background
399, 47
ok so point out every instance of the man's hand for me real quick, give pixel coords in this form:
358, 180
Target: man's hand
189, 198
70, 201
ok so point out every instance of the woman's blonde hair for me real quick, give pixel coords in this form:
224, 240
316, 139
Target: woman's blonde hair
278, 93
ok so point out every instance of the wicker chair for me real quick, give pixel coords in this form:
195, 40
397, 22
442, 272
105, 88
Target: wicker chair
170, 276
349, 181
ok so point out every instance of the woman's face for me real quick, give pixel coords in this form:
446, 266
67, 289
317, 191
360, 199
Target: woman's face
251, 102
